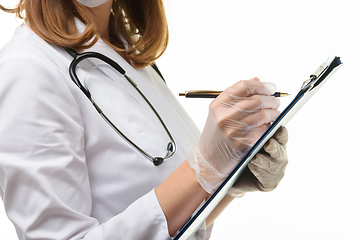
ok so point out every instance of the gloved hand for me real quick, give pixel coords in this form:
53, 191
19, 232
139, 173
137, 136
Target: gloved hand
236, 120
266, 169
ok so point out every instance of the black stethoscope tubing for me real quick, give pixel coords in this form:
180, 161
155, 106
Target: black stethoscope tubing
171, 147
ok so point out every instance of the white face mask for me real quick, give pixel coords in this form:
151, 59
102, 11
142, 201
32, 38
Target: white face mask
92, 3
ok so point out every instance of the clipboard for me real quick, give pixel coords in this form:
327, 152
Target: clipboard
309, 88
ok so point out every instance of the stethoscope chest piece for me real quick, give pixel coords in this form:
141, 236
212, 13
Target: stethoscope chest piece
158, 161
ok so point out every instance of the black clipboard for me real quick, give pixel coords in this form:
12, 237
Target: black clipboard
309, 88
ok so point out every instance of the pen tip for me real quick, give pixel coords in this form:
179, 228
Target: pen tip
285, 94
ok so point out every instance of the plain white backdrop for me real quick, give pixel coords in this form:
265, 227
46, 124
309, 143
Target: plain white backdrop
213, 44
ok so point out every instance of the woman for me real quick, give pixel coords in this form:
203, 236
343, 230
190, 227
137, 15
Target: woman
66, 174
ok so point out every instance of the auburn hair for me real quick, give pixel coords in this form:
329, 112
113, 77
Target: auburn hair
142, 23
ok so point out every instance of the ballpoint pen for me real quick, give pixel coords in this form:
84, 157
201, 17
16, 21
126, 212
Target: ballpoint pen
214, 94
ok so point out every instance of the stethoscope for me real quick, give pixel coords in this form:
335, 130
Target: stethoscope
171, 147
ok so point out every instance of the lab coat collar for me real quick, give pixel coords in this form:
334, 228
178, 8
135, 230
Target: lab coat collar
157, 99
101, 47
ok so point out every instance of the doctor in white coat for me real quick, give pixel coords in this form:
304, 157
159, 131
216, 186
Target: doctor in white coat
66, 174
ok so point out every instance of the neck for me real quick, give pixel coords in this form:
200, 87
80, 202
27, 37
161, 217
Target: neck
100, 16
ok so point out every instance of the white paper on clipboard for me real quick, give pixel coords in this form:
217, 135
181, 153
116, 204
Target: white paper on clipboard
317, 79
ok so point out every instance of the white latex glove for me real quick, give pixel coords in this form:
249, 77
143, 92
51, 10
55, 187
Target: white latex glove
236, 120
266, 169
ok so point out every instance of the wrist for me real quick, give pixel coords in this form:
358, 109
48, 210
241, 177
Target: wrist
207, 176
179, 195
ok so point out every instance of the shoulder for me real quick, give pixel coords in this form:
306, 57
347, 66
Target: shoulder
32, 70
24, 40
26, 49
27, 56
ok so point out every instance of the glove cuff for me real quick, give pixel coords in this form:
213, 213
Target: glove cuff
208, 177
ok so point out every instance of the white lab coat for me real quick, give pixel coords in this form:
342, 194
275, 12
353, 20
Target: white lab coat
64, 172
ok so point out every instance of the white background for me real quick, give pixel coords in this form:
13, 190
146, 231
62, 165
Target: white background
213, 44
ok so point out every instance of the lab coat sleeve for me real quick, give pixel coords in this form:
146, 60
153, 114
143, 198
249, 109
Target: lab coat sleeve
43, 172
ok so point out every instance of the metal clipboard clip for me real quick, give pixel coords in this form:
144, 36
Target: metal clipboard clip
320, 74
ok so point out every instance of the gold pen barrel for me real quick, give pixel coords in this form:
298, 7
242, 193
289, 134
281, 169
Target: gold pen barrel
200, 94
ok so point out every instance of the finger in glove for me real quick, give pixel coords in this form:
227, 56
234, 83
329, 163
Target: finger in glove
266, 181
